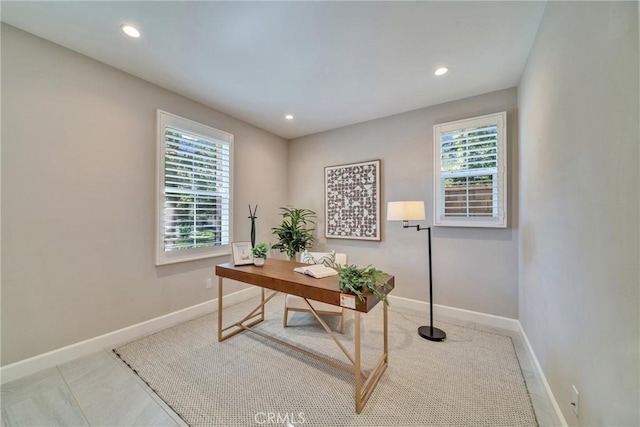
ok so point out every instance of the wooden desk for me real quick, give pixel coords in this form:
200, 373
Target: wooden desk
278, 275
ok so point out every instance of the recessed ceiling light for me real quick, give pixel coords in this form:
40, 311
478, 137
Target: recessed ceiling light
131, 31
288, 117
440, 71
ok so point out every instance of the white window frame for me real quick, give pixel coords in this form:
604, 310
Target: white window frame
164, 120
499, 218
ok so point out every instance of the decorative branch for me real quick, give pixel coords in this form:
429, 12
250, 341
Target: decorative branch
253, 217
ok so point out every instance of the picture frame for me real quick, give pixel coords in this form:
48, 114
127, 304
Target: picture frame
242, 254
352, 201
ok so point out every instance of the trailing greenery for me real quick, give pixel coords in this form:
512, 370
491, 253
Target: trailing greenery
293, 234
260, 250
359, 280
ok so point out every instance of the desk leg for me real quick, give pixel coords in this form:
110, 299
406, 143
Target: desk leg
386, 333
364, 390
219, 309
356, 340
240, 326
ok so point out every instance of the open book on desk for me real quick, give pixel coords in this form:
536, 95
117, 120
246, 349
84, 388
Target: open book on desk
317, 270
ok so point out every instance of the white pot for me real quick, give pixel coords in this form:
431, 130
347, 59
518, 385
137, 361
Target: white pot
258, 261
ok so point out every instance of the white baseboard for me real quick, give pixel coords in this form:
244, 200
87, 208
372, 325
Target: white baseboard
113, 339
538, 369
456, 313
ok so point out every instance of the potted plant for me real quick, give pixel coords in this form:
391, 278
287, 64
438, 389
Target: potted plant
357, 281
293, 234
259, 252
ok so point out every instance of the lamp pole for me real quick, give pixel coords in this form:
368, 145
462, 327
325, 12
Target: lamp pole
428, 332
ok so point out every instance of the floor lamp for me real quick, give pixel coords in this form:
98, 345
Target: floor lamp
414, 211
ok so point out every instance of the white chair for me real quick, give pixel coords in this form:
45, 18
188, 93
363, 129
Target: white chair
296, 303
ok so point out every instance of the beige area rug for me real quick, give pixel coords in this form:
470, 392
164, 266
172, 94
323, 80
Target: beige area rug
471, 379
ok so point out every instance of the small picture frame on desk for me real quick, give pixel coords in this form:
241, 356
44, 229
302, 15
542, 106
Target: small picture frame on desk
242, 253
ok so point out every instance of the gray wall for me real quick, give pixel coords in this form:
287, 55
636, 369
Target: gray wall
474, 269
78, 197
579, 212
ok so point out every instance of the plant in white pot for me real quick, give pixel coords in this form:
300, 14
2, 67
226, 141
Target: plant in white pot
259, 252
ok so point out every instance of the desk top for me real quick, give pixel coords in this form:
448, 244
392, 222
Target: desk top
278, 275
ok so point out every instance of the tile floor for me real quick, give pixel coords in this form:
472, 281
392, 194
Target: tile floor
95, 390
100, 390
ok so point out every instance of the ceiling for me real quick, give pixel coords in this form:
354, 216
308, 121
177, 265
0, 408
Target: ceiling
330, 64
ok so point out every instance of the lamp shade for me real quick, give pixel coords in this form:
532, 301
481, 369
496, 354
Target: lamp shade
405, 211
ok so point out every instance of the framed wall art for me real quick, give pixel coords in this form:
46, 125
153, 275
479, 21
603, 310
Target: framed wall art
352, 201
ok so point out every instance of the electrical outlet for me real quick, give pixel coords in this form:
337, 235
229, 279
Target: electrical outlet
209, 283
575, 399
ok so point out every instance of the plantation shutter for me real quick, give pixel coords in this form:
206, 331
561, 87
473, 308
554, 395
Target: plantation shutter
196, 193
471, 172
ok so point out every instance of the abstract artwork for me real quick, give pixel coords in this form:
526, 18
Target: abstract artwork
352, 201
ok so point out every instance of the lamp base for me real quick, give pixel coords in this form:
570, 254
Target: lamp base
432, 334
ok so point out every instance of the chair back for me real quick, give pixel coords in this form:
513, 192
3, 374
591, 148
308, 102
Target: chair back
321, 257
341, 259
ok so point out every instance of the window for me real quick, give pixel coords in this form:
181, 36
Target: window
194, 190
470, 164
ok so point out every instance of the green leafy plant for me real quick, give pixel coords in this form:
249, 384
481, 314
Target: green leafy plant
360, 280
293, 234
260, 250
